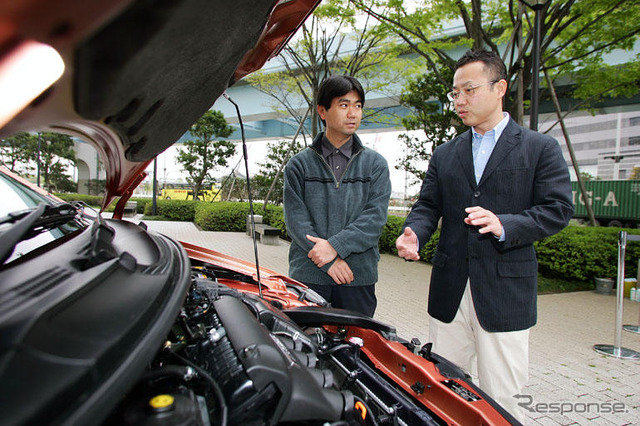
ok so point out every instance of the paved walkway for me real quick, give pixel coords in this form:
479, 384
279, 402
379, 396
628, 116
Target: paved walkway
570, 383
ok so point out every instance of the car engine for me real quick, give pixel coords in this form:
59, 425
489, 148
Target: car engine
234, 358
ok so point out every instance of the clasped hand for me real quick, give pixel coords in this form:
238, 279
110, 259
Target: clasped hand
323, 253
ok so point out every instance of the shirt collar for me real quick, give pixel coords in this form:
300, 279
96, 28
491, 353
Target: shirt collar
346, 149
497, 130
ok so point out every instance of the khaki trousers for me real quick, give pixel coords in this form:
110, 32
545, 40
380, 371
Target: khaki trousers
501, 360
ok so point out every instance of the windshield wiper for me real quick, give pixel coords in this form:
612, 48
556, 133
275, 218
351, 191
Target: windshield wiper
29, 223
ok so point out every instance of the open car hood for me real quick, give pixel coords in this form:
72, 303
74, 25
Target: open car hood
137, 74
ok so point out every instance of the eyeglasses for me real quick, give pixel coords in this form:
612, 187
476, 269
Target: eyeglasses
467, 91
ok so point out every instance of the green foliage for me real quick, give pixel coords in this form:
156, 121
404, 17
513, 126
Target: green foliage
178, 210
568, 261
319, 51
426, 97
222, 216
232, 216
201, 156
429, 249
583, 253
268, 184
56, 154
274, 216
20, 153
15, 151
234, 188
94, 201
577, 38
556, 285
390, 232
585, 176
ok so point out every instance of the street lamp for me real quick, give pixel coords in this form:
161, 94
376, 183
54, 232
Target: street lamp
537, 6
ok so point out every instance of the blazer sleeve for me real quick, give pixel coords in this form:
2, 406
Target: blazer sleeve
552, 205
427, 210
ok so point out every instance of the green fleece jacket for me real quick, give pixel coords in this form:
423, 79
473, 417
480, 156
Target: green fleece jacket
349, 214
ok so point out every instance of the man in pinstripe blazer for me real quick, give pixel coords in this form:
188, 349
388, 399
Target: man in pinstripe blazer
498, 187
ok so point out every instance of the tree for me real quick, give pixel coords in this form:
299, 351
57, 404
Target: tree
426, 98
201, 156
15, 151
585, 176
576, 37
333, 41
234, 187
277, 154
635, 174
56, 154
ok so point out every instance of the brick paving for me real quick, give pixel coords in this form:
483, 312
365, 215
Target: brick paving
570, 383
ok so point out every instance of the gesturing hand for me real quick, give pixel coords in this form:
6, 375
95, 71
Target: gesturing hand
407, 245
322, 252
484, 219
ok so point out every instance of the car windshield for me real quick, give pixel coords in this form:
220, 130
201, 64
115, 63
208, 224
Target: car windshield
16, 197
30, 220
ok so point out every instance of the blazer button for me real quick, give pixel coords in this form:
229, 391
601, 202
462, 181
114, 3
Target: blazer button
476, 194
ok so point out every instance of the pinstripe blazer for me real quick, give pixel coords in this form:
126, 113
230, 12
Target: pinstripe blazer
526, 184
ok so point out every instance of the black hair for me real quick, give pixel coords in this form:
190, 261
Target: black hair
490, 59
338, 85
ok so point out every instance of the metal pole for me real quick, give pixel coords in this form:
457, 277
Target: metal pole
629, 327
617, 350
622, 249
38, 161
535, 70
154, 188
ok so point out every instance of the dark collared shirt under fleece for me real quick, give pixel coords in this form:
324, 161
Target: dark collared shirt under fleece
337, 158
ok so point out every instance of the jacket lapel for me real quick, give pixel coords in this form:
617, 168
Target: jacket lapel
463, 152
509, 138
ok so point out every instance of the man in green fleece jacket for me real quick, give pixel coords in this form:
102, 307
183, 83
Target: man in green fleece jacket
336, 196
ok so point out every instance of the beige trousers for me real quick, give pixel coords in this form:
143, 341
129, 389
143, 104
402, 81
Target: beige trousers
498, 362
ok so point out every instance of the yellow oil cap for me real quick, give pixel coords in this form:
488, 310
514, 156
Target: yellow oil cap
161, 402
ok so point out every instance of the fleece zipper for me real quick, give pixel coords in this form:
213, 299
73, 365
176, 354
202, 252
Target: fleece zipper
346, 169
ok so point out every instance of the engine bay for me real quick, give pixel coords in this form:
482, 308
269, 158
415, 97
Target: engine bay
234, 358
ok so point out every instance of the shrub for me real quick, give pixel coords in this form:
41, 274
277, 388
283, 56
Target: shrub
222, 216
96, 201
390, 232
583, 253
178, 210
429, 249
274, 216
232, 216
576, 253
90, 200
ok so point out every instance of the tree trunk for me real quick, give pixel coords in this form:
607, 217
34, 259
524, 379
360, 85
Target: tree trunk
576, 168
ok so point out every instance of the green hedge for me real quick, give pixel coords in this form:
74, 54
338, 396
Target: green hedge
576, 254
90, 200
583, 253
96, 201
232, 216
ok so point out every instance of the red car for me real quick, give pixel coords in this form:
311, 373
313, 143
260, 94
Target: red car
104, 322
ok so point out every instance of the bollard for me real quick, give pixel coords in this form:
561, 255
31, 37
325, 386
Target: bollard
617, 350
629, 327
